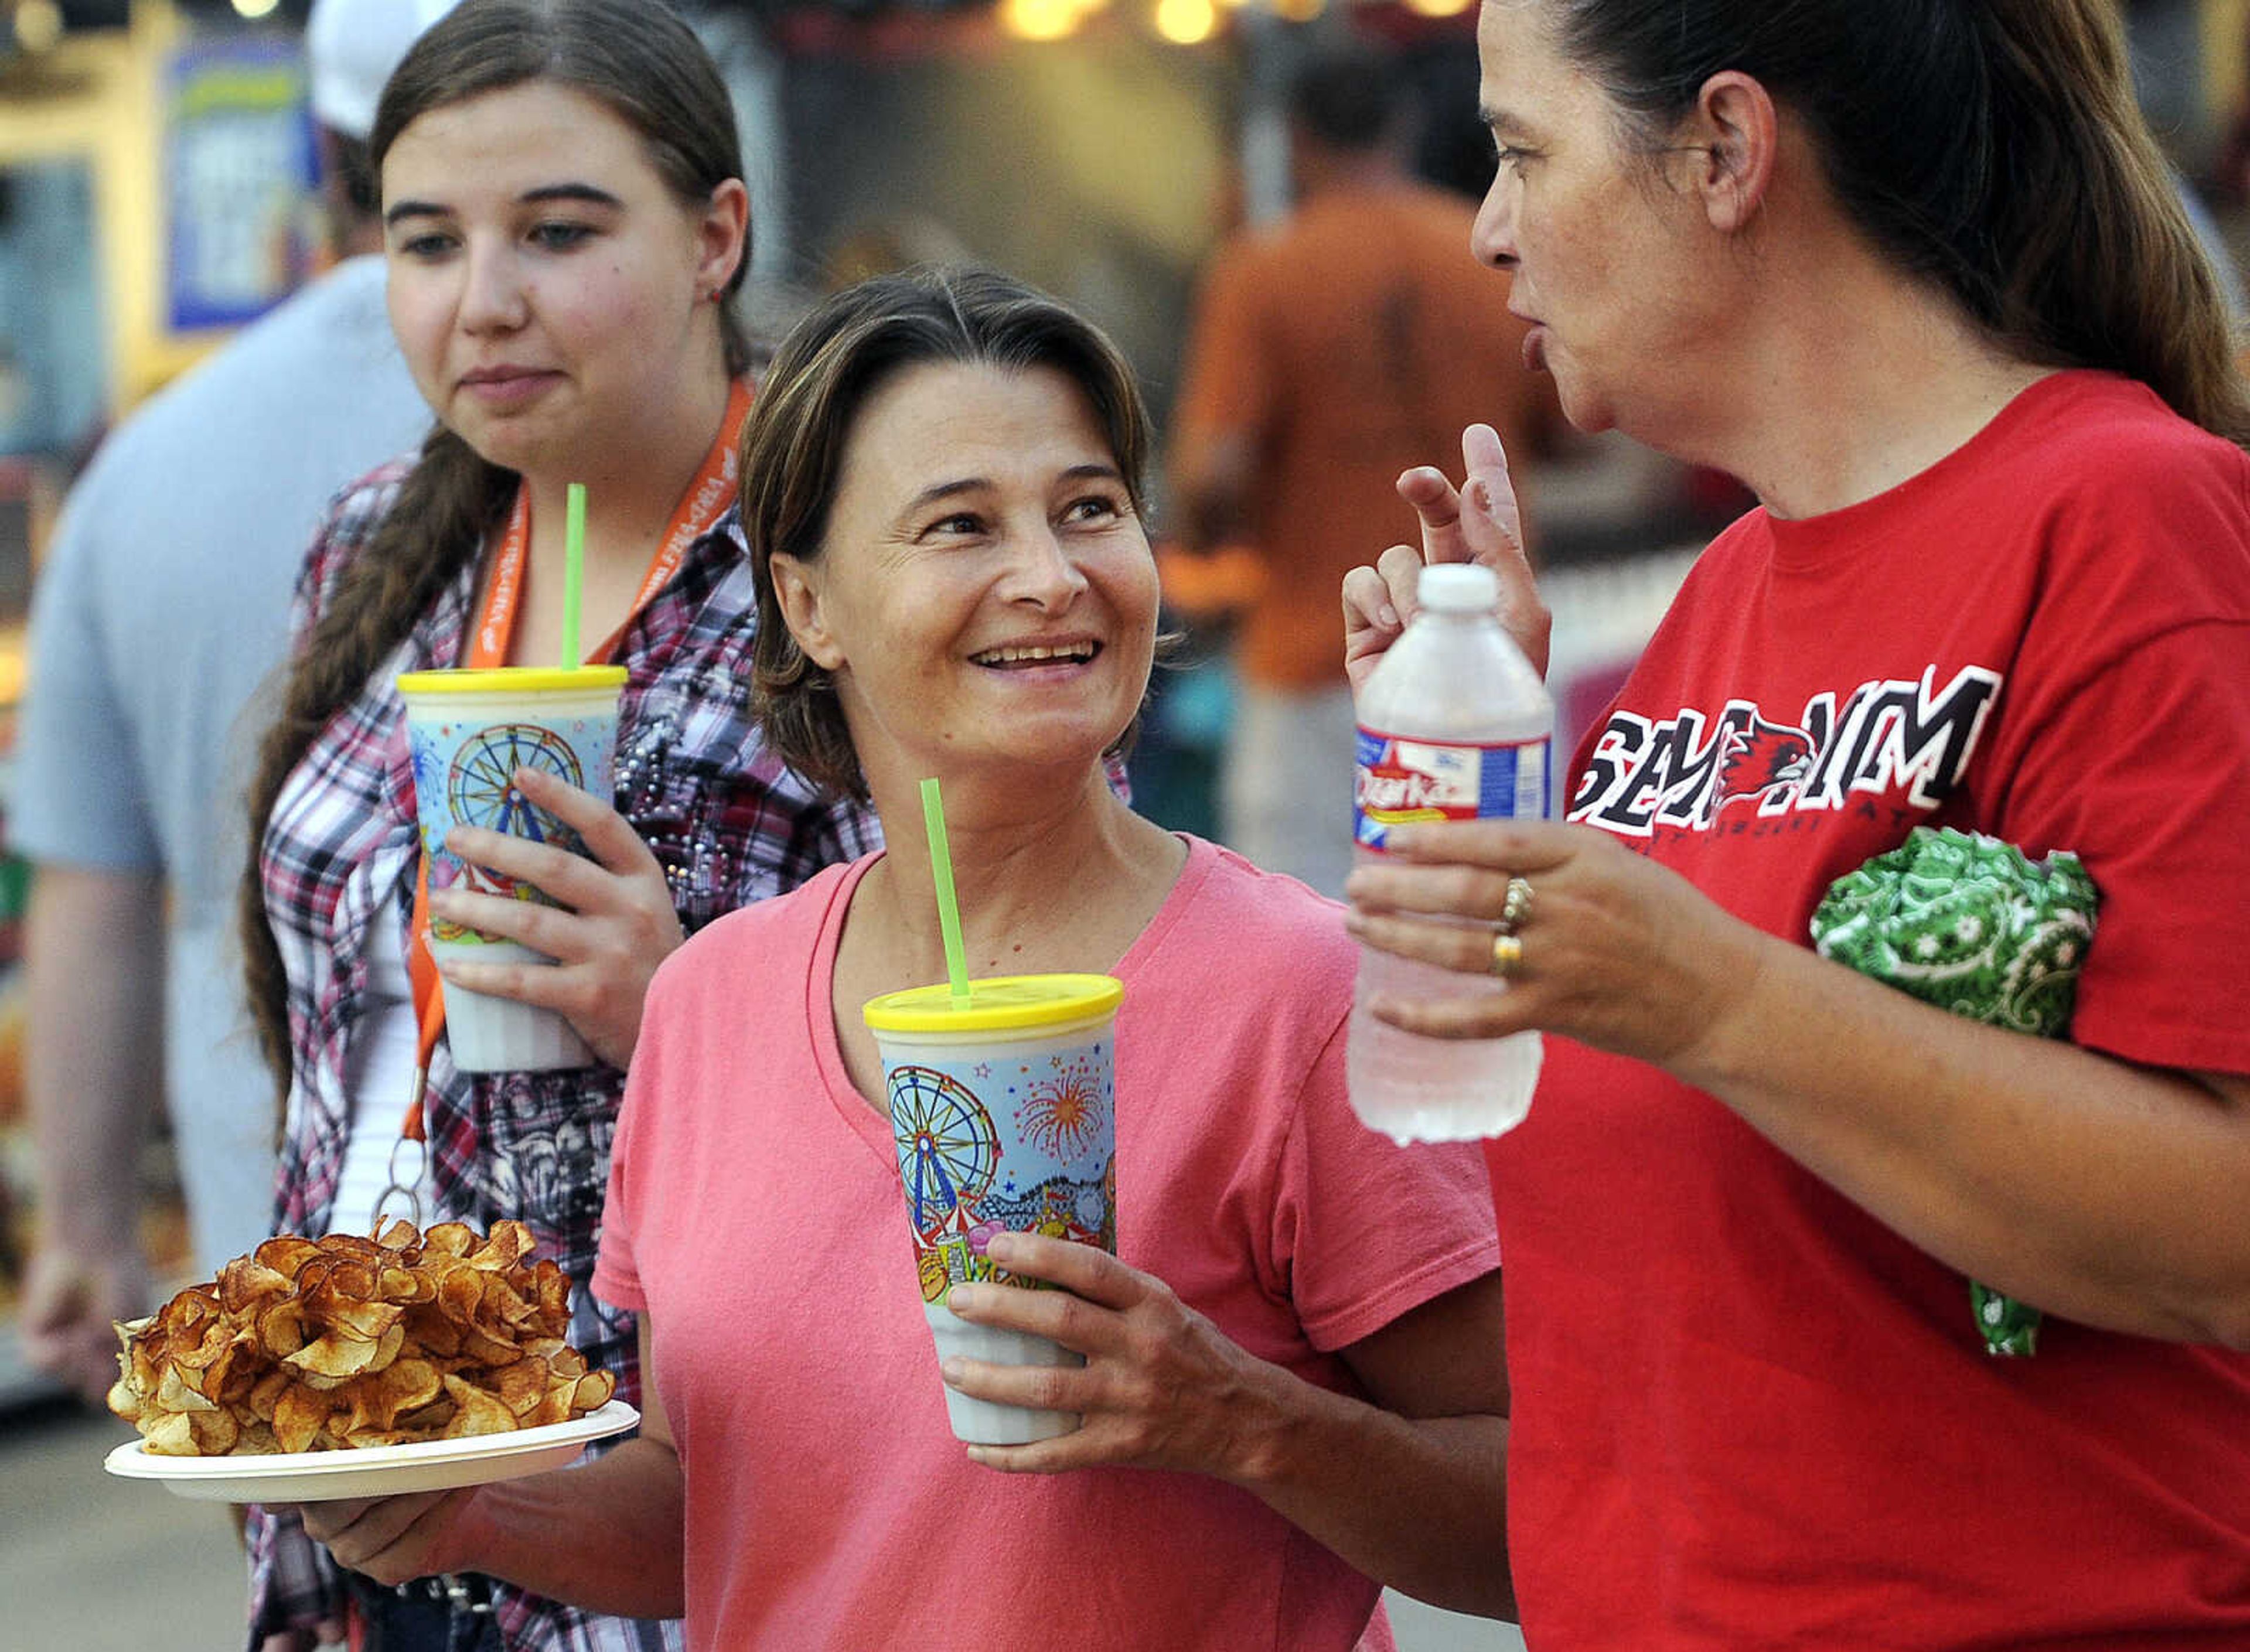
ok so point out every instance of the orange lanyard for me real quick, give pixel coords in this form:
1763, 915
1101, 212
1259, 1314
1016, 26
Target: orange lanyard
698, 511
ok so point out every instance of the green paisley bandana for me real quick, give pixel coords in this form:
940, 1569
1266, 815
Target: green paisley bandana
1969, 923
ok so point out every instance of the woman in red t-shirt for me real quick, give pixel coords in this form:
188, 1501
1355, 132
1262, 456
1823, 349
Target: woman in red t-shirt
1916, 274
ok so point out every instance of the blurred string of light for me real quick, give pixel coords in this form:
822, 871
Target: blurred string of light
1185, 23
1180, 21
1039, 19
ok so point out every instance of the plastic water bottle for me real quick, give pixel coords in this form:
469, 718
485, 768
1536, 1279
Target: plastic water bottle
1453, 725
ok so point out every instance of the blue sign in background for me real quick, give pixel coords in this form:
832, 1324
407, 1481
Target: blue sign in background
240, 173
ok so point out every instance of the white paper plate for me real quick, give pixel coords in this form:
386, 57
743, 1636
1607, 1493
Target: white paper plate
372, 1471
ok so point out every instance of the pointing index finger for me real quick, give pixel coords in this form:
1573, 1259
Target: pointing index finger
1483, 450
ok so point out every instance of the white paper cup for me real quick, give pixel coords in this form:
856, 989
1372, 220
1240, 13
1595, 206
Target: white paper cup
1004, 1112
469, 732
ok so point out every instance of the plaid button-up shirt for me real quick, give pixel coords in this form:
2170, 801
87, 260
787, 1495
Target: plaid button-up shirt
727, 821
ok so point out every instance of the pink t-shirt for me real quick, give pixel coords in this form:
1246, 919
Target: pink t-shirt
756, 1214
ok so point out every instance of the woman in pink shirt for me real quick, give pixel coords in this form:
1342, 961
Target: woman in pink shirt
1291, 1394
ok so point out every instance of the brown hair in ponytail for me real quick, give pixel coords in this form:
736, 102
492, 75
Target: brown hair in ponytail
1993, 147
642, 62
444, 511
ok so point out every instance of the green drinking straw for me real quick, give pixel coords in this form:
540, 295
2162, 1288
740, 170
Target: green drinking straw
949, 904
574, 570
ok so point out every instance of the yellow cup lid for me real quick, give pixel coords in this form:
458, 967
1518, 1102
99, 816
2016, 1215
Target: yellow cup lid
998, 1003
511, 679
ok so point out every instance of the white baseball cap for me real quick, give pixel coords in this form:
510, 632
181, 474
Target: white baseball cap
351, 46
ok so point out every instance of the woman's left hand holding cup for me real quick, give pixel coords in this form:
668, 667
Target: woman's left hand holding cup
1162, 1388
613, 923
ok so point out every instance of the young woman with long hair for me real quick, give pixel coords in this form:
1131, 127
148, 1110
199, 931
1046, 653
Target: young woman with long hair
566, 225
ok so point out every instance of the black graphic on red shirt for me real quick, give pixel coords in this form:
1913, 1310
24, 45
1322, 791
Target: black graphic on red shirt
1911, 739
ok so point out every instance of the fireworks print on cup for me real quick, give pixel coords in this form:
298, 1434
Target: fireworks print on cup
1062, 1117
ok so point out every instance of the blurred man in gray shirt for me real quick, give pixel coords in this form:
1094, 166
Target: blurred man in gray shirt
162, 606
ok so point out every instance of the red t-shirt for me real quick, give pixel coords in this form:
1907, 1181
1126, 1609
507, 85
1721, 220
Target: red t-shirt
1747, 1413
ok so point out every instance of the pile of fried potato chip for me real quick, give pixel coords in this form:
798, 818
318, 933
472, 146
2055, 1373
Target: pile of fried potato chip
322, 1345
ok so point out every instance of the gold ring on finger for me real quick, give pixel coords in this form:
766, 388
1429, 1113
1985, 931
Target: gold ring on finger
1516, 907
1506, 953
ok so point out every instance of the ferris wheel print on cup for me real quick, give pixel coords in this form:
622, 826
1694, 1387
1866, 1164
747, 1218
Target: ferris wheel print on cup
1003, 1107
469, 733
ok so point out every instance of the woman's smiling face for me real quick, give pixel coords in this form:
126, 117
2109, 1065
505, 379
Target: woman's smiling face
985, 594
